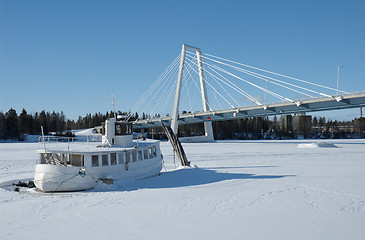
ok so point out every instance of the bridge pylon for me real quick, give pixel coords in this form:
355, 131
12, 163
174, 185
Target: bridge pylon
208, 137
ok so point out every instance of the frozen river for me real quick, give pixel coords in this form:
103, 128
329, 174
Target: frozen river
238, 190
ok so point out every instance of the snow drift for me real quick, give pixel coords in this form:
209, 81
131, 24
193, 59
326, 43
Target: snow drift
317, 145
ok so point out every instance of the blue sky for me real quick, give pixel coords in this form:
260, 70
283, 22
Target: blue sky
70, 55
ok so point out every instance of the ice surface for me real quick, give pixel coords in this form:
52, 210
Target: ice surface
239, 190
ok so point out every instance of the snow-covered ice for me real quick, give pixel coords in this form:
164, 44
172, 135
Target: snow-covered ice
239, 190
317, 145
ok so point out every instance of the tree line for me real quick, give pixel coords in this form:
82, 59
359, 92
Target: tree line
282, 127
14, 126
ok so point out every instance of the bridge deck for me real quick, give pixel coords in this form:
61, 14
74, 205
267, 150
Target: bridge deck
351, 100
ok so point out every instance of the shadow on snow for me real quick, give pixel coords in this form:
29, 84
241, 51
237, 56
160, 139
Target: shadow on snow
183, 178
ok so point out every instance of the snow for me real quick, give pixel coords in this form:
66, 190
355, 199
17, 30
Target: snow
317, 145
238, 190
85, 132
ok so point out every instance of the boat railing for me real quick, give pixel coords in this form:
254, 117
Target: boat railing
67, 143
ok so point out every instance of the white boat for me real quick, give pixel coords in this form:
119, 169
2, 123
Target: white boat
65, 166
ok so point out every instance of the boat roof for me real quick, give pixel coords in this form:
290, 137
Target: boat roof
90, 147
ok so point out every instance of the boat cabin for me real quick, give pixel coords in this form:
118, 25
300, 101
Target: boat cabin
116, 133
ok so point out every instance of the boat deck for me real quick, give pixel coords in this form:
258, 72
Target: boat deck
87, 147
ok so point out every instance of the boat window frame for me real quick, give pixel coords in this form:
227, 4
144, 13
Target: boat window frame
72, 161
113, 161
150, 153
128, 156
154, 151
121, 157
103, 162
140, 155
93, 162
145, 153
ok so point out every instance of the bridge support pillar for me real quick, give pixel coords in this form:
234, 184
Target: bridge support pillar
208, 137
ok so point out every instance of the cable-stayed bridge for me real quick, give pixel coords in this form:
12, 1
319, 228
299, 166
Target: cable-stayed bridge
235, 90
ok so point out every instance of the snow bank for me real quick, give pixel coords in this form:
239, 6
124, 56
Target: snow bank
85, 132
317, 145
31, 138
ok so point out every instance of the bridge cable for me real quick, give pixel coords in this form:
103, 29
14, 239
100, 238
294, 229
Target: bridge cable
197, 86
296, 79
187, 68
188, 88
162, 96
167, 74
252, 84
264, 79
155, 84
234, 87
212, 88
274, 79
161, 79
224, 90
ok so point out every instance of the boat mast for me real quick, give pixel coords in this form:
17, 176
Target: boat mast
115, 115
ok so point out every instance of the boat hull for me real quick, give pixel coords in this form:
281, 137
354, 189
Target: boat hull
61, 178
53, 178
64, 168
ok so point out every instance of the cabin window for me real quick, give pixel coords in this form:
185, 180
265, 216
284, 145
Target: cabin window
95, 160
140, 156
104, 160
113, 158
77, 160
127, 129
150, 153
118, 129
121, 157
134, 155
128, 156
154, 154
145, 153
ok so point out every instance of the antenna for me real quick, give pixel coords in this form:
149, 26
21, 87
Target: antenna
115, 116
